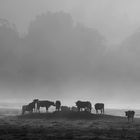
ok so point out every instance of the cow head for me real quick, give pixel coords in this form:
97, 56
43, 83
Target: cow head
126, 113
53, 103
35, 100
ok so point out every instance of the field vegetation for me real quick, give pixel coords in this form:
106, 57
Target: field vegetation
68, 125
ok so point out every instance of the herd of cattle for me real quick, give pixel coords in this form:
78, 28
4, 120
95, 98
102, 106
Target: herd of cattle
35, 105
80, 106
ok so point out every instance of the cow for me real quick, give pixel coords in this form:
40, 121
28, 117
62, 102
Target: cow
65, 108
74, 109
130, 114
44, 103
86, 105
99, 106
25, 108
57, 105
30, 107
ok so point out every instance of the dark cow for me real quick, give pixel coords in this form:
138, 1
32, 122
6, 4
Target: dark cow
99, 106
86, 105
30, 107
44, 103
25, 108
58, 105
65, 108
74, 109
130, 114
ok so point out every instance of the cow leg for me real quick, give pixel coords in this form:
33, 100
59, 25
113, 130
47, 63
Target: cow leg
46, 109
23, 112
90, 110
31, 111
35, 109
38, 109
78, 109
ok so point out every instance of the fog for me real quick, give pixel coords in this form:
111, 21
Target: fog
70, 51
114, 19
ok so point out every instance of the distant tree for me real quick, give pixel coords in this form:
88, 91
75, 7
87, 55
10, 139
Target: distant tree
57, 47
9, 40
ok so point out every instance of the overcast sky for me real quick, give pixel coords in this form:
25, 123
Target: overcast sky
64, 55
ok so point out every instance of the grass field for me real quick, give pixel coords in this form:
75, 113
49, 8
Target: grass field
65, 126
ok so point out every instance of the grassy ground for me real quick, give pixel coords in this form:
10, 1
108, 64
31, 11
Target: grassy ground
69, 126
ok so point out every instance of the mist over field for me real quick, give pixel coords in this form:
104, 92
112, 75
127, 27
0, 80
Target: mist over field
70, 51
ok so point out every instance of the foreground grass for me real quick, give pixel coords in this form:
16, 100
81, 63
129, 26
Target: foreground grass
99, 128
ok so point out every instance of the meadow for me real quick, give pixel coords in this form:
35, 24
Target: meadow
65, 126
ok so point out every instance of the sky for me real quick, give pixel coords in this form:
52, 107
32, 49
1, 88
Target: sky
68, 54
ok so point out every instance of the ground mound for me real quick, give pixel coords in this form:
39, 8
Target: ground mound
67, 115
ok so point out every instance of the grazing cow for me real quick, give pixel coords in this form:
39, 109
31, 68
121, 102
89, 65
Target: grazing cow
65, 108
74, 109
58, 105
28, 108
84, 104
24, 109
44, 103
130, 114
99, 106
